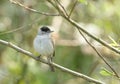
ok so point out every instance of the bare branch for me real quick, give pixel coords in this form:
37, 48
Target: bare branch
20, 28
53, 64
64, 10
95, 38
99, 54
72, 9
58, 7
92, 36
33, 10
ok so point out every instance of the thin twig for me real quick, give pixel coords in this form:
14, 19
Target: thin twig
20, 28
72, 8
92, 36
62, 7
94, 66
99, 54
61, 12
53, 64
33, 10
95, 38
54, 5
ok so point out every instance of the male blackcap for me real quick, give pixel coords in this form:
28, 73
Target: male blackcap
44, 44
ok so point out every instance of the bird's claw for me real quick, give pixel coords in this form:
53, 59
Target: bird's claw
38, 57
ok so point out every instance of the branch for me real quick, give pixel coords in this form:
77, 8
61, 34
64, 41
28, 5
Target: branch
59, 7
100, 55
98, 40
53, 64
65, 12
87, 33
92, 36
33, 10
20, 28
95, 38
72, 8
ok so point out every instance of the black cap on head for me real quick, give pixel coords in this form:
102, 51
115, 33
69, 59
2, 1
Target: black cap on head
45, 29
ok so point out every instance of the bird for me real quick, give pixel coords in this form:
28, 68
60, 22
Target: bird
44, 44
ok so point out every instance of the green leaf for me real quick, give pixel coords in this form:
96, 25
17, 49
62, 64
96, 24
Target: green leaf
106, 72
83, 1
114, 43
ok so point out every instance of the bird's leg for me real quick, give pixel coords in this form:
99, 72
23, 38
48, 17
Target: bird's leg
49, 62
38, 57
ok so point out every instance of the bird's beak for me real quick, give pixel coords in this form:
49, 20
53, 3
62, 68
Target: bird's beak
50, 31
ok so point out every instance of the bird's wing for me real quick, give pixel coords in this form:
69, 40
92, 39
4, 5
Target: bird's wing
53, 47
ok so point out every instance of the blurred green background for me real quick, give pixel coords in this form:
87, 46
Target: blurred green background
19, 26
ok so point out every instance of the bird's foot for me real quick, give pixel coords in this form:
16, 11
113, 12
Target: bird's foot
38, 57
